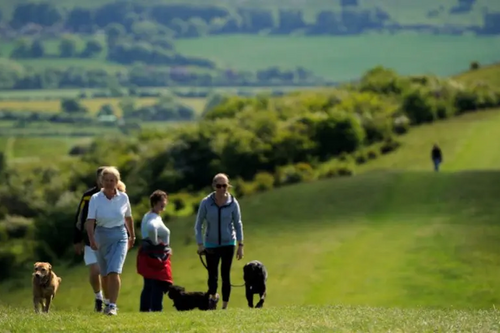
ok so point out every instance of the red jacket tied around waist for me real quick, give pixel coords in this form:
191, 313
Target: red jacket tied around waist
153, 261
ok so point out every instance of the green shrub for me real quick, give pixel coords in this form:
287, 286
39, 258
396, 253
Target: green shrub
242, 188
7, 262
372, 153
360, 157
419, 106
336, 168
401, 124
17, 226
291, 174
263, 181
340, 132
389, 145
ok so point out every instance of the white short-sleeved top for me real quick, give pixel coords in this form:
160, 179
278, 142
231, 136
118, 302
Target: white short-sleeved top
109, 213
153, 228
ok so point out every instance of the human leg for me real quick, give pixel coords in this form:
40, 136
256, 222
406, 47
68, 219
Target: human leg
436, 164
112, 253
145, 301
157, 296
227, 254
94, 276
213, 259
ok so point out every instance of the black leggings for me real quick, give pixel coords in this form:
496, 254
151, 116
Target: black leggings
214, 255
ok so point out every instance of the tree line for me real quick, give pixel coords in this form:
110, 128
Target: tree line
14, 75
261, 142
186, 20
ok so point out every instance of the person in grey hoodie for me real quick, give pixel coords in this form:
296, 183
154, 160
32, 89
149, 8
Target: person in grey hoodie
224, 229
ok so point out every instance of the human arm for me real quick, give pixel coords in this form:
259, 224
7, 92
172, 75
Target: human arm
239, 229
129, 224
238, 225
79, 226
200, 218
90, 223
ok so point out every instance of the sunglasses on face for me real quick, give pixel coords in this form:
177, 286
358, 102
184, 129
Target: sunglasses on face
221, 185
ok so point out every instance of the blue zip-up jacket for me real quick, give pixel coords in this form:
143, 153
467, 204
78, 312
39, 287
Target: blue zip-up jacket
223, 224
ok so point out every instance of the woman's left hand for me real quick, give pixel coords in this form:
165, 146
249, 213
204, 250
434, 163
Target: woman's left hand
239, 252
131, 241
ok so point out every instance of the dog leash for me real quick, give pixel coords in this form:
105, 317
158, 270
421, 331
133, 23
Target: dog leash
206, 267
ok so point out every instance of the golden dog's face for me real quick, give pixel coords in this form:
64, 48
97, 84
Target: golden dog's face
42, 269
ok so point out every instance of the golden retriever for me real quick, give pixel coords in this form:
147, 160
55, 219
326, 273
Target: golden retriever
45, 285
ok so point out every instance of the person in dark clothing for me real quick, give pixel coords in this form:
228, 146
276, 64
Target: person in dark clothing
81, 244
437, 157
220, 213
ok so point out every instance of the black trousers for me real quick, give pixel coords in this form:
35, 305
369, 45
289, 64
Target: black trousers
224, 255
152, 295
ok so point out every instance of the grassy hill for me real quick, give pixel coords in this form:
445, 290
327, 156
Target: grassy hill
489, 74
395, 235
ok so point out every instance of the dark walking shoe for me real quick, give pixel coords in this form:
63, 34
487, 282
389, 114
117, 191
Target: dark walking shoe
98, 305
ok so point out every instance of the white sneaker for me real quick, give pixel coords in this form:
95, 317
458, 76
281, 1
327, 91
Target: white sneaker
110, 311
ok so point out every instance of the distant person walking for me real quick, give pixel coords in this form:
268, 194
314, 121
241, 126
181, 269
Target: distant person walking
81, 244
111, 214
153, 257
437, 157
224, 228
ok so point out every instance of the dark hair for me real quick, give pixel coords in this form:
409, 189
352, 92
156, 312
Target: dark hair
99, 171
156, 197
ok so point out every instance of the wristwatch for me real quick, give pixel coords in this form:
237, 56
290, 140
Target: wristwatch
240, 244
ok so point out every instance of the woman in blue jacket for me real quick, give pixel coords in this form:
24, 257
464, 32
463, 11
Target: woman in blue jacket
223, 236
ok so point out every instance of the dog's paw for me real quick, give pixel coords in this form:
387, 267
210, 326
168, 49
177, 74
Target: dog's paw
259, 305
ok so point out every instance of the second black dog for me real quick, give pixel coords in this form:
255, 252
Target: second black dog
255, 276
189, 300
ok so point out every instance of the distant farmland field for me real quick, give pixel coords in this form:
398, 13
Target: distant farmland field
343, 58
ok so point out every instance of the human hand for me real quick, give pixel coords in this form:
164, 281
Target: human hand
239, 253
78, 248
131, 241
201, 249
93, 245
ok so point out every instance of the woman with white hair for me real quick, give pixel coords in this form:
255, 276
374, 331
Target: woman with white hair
110, 211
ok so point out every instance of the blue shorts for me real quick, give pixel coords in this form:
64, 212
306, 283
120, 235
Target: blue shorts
112, 247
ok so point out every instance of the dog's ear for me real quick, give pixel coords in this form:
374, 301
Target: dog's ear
35, 264
50, 267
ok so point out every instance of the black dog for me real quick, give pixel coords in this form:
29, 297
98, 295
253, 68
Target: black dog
255, 276
185, 301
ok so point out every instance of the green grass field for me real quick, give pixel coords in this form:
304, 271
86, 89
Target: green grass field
397, 247
93, 105
290, 319
343, 58
54, 105
338, 58
38, 149
37, 143
487, 74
